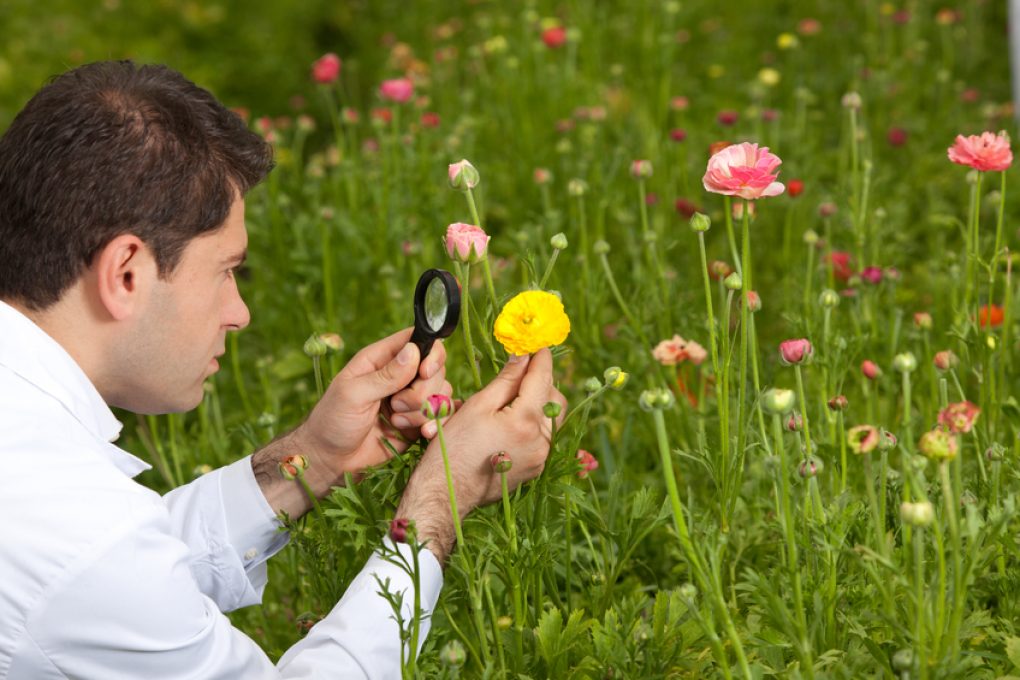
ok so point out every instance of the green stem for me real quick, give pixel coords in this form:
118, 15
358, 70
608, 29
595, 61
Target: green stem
708, 304
802, 397
464, 272
959, 597
549, 268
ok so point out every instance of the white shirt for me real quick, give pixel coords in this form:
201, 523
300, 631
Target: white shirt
103, 578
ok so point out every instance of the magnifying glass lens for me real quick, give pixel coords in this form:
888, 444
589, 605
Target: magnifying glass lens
436, 304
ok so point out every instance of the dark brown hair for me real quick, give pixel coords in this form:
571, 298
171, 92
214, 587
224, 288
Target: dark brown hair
113, 148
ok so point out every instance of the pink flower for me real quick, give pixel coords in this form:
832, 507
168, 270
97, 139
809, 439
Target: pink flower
945, 360
679, 103
326, 69
554, 37
398, 529
678, 134
399, 90
796, 351
437, 406
676, 350
430, 119
466, 242
743, 170
641, 169
870, 369
862, 438
542, 176
959, 417
727, 118
587, 462
872, 275
982, 152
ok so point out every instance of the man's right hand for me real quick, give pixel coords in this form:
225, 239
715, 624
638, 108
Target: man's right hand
507, 416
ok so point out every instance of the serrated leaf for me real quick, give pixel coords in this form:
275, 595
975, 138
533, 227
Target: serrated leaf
1013, 651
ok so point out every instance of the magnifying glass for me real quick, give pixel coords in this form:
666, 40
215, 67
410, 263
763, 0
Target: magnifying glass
436, 309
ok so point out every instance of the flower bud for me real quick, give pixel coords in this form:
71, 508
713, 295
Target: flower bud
753, 301
577, 187
905, 362
266, 419
810, 237
920, 514
829, 299
656, 399
600, 247
838, 403
615, 377
811, 467
588, 463
315, 346
552, 409
559, 241
641, 169
542, 176
501, 462
437, 406
293, 467
794, 352
922, 320
886, 440
870, 369
504, 622
592, 385
851, 100
463, 176
466, 242
700, 222
453, 654
794, 422
333, 341
778, 400
995, 452
862, 438
938, 445
719, 270
400, 528
733, 282
903, 661
688, 591
204, 469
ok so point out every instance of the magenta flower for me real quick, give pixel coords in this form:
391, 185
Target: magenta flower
982, 152
437, 406
399, 528
872, 275
466, 242
743, 170
399, 90
794, 352
326, 69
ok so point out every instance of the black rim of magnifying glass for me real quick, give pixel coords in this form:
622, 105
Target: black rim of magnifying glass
424, 336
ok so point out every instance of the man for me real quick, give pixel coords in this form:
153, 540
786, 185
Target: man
121, 224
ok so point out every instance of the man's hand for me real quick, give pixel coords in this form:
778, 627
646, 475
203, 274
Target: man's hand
504, 416
371, 400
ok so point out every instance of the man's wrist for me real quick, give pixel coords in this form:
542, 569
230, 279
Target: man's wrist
287, 495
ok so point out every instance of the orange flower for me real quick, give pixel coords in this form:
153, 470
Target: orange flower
990, 315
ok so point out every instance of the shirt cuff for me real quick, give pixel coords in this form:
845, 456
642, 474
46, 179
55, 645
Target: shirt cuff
252, 527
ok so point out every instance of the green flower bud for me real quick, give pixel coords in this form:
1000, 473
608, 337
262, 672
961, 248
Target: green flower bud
463, 176
577, 187
688, 591
552, 409
315, 346
453, 654
778, 400
810, 237
919, 514
592, 385
733, 282
905, 362
700, 222
501, 462
656, 399
600, 247
615, 377
829, 298
559, 241
903, 661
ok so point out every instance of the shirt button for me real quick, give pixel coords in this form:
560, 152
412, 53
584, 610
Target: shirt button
250, 554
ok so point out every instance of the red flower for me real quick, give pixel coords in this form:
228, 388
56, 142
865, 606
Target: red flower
897, 136
326, 69
686, 208
429, 119
990, 315
727, 117
842, 264
587, 462
554, 37
678, 134
795, 188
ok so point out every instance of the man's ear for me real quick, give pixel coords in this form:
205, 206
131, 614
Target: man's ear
124, 270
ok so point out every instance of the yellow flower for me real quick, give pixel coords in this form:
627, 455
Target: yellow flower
530, 321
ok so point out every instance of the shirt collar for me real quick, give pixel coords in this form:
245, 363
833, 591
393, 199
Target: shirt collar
28, 351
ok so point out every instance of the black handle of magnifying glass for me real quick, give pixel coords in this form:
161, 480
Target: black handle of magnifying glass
424, 337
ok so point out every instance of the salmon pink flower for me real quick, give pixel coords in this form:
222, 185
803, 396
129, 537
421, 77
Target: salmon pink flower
587, 463
983, 152
466, 242
862, 438
796, 351
959, 417
743, 170
399, 90
945, 360
326, 69
870, 369
676, 350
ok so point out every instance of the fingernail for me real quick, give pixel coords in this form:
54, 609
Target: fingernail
398, 405
400, 421
517, 358
430, 369
405, 354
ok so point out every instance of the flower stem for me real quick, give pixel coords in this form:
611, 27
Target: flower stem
802, 397
952, 502
464, 273
485, 260
708, 304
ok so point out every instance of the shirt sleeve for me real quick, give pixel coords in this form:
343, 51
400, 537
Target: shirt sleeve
230, 530
135, 611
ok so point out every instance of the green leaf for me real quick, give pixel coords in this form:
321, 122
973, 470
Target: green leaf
1013, 651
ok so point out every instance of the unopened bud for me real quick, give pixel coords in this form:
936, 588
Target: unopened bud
577, 187
600, 247
641, 169
501, 462
838, 403
733, 282
919, 514
592, 385
829, 299
615, 377
811, 467
688, 591
810, 237
945, 360
400, 528
656, 399
463, 176
923, 321
559, 241
753, 301
552, 409
995, 452
542, 176
333, 341
870, 369
794, 423
700, 222
851, 100
437, 406
453, 654
905, 362
315, 346
293, 467
886, 440
778, 400
938, 445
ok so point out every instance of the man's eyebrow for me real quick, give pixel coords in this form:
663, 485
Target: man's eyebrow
238, 259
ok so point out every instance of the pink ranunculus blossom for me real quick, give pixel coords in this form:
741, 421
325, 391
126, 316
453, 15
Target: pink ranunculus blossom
945, 360
326, 69
399, 90
872, 275
466, 242
795, 351
745, 170
437, 406
870, 369
676, 350
983, 152
587, 462
959, 417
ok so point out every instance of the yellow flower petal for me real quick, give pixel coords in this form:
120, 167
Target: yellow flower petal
530, 321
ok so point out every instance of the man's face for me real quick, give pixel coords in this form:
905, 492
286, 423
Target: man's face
183, 327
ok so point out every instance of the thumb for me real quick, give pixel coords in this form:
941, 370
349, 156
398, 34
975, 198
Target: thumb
503, 388
394, 376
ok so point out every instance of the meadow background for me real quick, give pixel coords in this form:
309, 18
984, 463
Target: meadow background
357, 208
